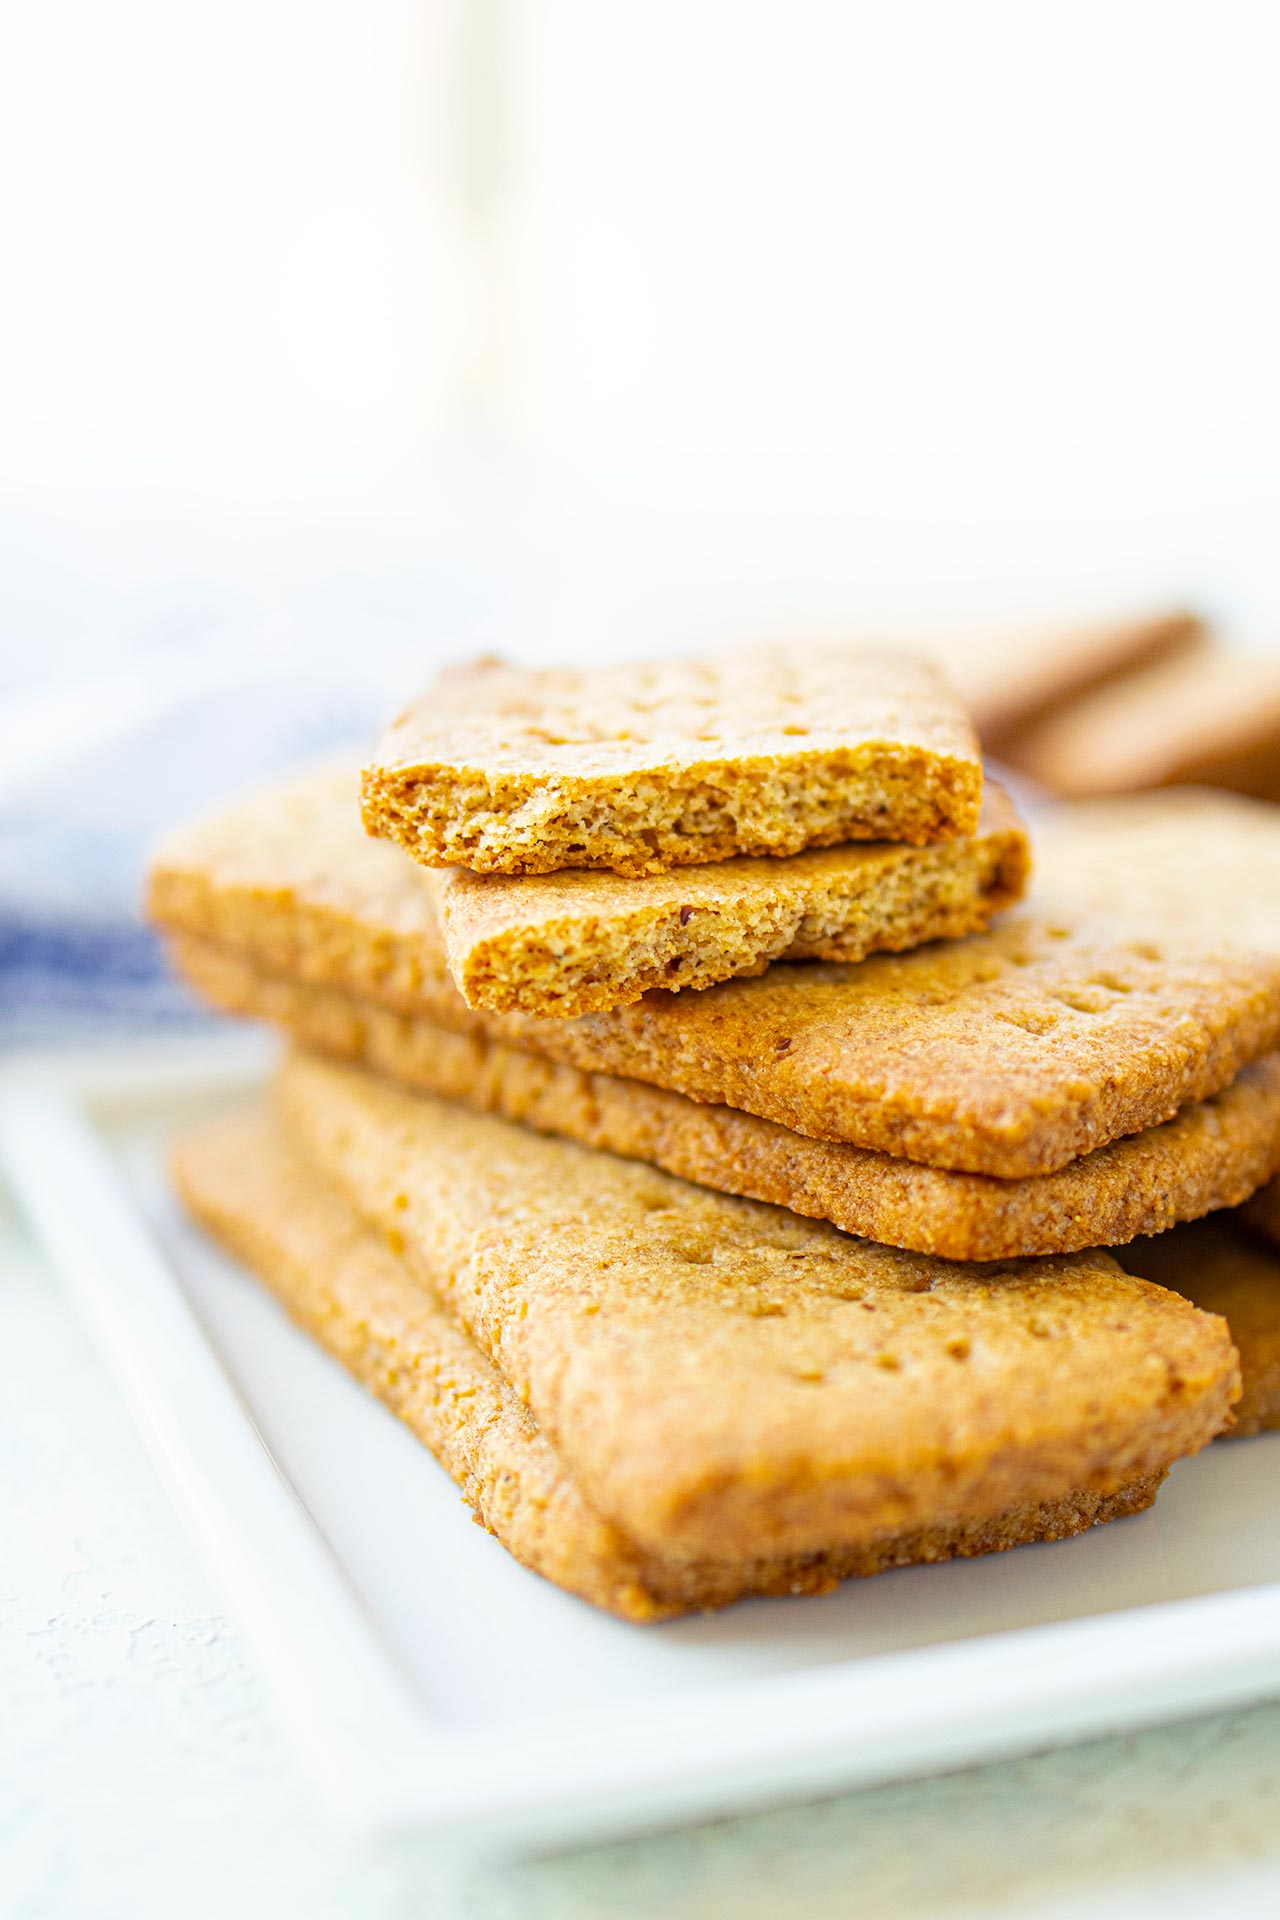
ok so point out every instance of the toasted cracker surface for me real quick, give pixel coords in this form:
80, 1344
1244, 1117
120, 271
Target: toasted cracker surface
578, 942
724, 1379
343, 1284
1010, 1053
1222, 1270
672, 763
1209, 859
1211, 1155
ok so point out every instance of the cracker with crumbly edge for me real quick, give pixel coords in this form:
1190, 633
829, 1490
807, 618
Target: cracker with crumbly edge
1009, 1053
638, 768
580, 942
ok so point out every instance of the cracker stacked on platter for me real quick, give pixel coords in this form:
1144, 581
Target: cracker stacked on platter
755, 926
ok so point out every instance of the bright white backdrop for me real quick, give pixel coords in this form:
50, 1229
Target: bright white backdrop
683, 313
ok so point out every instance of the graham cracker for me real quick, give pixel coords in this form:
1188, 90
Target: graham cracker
1010, 1053
723, 1379
1211, 1155
239, 1177
579, 942
636, 768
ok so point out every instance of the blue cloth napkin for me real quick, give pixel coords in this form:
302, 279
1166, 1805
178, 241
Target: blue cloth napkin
76, 958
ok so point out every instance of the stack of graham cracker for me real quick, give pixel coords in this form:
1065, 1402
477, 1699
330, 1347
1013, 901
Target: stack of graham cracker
698, 1140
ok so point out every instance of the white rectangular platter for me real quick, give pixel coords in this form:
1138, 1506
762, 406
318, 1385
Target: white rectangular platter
431, 1683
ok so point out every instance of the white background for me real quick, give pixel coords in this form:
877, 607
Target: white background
378, 315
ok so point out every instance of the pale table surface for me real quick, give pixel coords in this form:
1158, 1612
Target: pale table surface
142, 1775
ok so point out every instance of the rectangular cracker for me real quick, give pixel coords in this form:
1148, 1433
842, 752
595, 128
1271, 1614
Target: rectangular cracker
723, 1379
1211, 1155
637, 768
1223, 1271
1209, 716
1010, 1053
239, 1177
579, 942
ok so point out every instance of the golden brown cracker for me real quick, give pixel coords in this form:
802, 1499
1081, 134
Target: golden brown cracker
1010, 1053
724, 1379
636, 768
343, 1284
579, 942
1213, 1154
